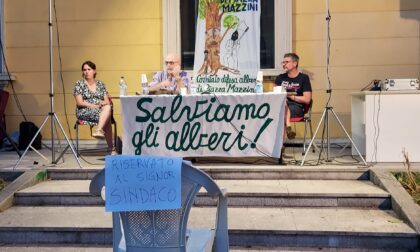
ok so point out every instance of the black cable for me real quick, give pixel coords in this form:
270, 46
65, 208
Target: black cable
377, 122
293, 146
328, 91
322, 139
96, 150
90, 163
257, 160
376, 128
377, 125
327, 104
312, 162
11, 83
347, 163
370, 85
61, 72
373, 157
328, 58
62, 82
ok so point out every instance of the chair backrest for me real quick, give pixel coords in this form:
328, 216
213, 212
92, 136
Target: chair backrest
308, 107
165, 230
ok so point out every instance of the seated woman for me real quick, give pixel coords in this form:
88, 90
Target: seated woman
93, 103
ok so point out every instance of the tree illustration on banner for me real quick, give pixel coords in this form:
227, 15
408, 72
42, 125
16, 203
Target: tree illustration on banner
219, 62
210, 11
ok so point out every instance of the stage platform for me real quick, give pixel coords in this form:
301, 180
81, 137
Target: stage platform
340, 158
95, 158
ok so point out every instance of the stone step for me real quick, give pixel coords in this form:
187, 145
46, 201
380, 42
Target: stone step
241, 193
68, 248
242, 171
108, 248
266, 227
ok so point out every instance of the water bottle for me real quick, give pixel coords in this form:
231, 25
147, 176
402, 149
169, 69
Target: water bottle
144, 84
259, 83
193, 87
123, 87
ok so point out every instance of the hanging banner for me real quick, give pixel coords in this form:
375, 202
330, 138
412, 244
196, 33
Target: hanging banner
222, 125
227, 46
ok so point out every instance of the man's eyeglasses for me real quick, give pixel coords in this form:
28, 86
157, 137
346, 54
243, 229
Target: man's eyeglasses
170, 62
286, 61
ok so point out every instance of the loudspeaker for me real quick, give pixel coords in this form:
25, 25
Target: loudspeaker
27, 131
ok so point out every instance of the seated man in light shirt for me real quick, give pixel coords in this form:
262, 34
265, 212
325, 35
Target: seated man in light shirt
172, 79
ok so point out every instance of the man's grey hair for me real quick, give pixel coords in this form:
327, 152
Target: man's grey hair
293, 56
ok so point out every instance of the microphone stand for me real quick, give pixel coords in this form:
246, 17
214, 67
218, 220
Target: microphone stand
328, 108
51, 115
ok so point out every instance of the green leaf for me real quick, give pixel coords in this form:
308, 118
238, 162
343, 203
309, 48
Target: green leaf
230, 21
41, 176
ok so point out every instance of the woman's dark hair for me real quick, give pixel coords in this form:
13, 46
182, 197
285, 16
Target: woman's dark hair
91, 65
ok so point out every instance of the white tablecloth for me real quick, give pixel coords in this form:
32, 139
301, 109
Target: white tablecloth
232, 125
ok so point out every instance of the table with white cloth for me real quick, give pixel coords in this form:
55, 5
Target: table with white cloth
204, 125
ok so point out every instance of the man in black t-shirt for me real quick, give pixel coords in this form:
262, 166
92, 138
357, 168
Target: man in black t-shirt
298, 87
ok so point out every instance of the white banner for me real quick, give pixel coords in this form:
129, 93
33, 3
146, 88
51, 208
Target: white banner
227, 46
233, 125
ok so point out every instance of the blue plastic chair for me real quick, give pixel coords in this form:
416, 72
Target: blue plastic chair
166, 230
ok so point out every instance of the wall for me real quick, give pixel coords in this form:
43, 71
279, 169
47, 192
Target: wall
123, 38
373, 39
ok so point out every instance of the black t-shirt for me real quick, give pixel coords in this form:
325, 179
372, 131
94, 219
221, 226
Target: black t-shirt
299, 84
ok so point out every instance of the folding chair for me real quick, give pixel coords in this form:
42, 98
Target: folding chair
166, 230
307, 118
80, 122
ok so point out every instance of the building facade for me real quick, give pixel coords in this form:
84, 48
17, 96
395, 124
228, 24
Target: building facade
375, 39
